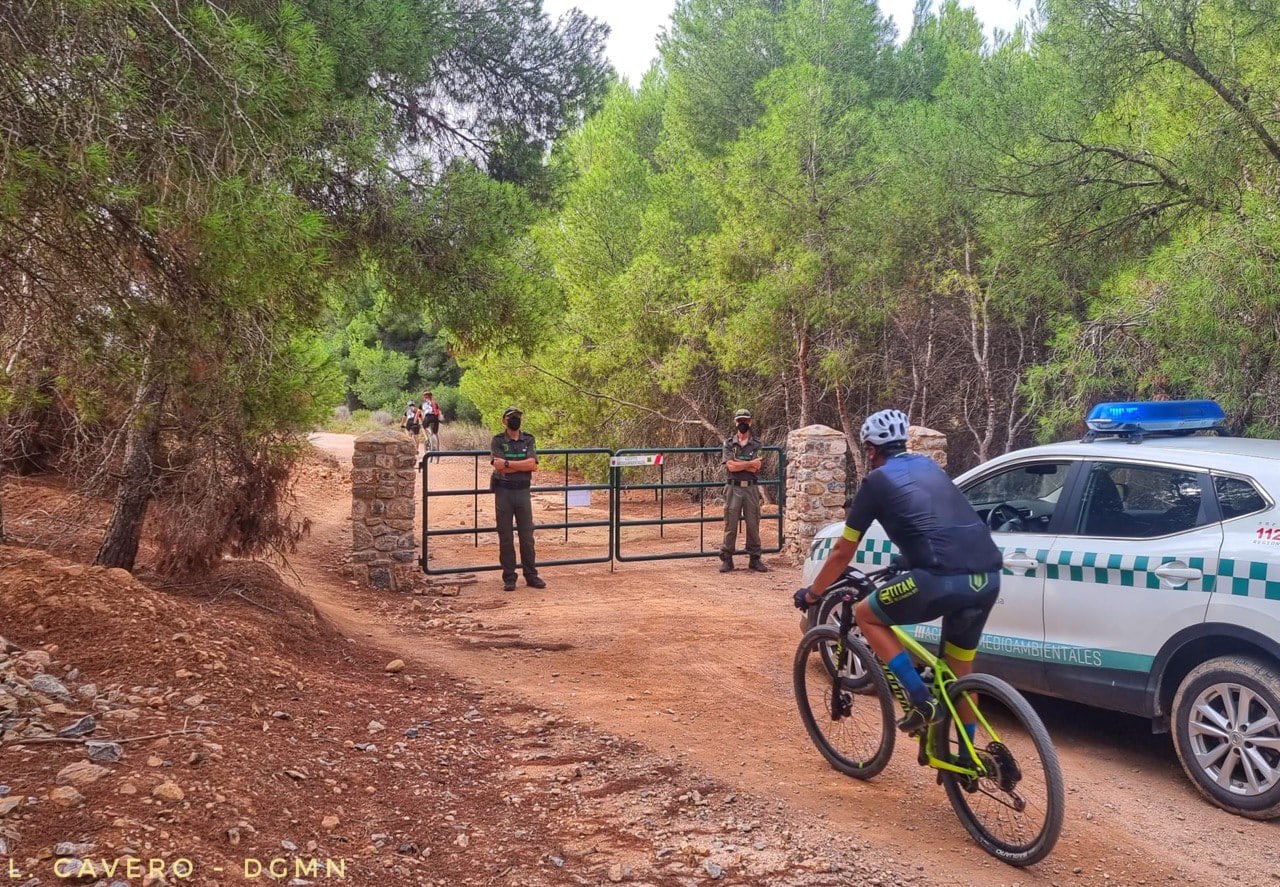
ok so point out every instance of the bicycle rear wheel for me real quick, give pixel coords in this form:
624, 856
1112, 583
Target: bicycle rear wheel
1015, 811
847, 710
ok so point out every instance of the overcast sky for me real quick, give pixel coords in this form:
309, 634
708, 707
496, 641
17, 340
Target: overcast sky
635, 24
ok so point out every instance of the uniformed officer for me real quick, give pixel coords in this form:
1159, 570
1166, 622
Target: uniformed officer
514, 458
742, 495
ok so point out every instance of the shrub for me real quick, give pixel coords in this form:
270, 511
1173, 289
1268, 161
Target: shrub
465, 436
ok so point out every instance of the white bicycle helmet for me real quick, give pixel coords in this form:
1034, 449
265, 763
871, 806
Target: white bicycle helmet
886, 426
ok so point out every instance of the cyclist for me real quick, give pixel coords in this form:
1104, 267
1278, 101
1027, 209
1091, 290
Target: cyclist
412, 422
430, 413
951, 565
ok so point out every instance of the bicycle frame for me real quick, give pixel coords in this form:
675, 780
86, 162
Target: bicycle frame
943, 676
861, 585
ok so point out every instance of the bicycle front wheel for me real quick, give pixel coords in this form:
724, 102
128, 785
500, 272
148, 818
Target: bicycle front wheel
844, 702
1014, 811
829, 614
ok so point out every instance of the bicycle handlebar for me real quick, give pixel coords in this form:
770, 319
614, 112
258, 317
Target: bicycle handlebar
862, 583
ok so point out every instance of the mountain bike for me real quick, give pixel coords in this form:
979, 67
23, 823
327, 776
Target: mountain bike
432, 444
1005, 784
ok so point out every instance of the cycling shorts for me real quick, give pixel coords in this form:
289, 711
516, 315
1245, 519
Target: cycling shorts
963, 601
432, 422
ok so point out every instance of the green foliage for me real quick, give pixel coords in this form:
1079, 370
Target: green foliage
456, 407
342, 421
381, 376
181, 188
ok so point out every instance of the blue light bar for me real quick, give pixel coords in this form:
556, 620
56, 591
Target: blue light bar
1153, 416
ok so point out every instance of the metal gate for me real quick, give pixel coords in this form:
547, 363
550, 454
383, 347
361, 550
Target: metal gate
566, 489
695, 471
637, 502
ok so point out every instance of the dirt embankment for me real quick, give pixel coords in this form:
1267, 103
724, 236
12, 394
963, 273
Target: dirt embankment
222, 730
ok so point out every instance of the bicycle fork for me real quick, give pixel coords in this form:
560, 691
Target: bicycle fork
841, 702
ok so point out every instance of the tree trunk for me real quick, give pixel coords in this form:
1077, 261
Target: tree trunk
803, 343
124, 531
851, 435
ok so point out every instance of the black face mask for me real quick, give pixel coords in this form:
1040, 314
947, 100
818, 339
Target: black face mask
514, 423
744, 427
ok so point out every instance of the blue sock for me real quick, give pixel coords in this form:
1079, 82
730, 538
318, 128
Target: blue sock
972, 730
909, 678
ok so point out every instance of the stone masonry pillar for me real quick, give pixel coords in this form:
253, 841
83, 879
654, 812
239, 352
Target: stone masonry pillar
816, 458
928, 442
382, 502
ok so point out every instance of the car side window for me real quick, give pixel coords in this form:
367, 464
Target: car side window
1020, 499
1237, 497
1140, 501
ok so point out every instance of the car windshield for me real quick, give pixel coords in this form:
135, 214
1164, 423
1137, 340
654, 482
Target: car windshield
1039, 480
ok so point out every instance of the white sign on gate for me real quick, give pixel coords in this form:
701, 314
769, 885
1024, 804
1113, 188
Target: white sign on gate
630, 461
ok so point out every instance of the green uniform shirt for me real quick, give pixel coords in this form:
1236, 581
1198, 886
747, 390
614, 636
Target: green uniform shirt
503, 447
743, 453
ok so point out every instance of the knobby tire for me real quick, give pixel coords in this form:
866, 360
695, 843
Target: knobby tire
987, 806
859, 742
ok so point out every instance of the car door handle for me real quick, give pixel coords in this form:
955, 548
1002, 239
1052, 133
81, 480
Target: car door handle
1177, 573
1020, 560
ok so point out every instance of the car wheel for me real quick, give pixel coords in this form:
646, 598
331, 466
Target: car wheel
1227, 734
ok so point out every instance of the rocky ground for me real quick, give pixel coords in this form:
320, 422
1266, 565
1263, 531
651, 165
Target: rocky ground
218, 730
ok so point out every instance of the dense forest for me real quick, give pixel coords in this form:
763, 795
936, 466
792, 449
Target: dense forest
218, 221
796, 213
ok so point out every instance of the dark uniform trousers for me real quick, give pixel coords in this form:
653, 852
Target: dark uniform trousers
514, 504
741, 502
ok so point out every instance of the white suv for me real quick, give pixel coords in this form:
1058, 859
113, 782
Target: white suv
1141, 574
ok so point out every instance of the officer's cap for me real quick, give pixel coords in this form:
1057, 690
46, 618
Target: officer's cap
511, 411
742, 414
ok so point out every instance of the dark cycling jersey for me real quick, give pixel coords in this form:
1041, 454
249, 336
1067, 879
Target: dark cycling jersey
925, 515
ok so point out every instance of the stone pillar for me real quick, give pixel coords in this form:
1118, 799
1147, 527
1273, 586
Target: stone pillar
816, 474
928, 442
382, 501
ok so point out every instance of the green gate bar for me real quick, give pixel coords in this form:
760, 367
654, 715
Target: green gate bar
490, 526
703, 518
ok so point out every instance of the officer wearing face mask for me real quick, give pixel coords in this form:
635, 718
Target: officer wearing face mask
514, 457
742, 495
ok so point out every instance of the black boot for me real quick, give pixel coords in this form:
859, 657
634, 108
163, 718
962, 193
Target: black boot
726, 563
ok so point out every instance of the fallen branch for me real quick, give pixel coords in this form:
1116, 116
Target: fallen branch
248, 600
81, 740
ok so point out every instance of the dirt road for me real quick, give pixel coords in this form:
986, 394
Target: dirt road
692, 663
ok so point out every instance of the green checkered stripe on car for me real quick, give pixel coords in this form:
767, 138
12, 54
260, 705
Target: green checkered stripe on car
1124, 570
1040, 556
1260, 579
876, 552
1236, 576
1245, 578
821, 548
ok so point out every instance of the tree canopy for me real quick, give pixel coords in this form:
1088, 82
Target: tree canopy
181, 185
799, 213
